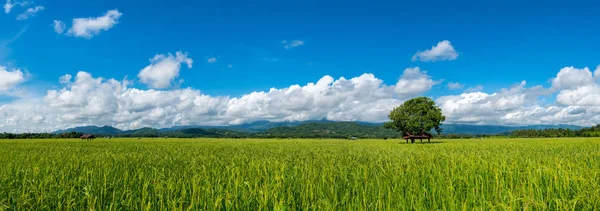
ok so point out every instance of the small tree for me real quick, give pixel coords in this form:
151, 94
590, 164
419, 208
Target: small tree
416, 116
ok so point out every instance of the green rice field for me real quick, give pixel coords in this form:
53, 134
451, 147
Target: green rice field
247, 174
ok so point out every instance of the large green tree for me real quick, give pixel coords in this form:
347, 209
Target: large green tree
416, 116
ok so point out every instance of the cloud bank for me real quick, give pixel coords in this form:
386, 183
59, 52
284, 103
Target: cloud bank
88, 100
84, 99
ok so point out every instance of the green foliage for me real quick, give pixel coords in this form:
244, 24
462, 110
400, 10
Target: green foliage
255, 174
145, 132
104, 130
329, 130
200, 132
39, 135
307, 130
593, 131
497, 129
416, 116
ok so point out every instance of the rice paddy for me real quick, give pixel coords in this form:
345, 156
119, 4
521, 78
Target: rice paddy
227, 174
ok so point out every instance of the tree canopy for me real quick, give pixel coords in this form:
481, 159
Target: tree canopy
416, 116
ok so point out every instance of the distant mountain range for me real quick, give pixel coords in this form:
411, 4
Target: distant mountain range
319, 128
253, 127
104, 130
496, 129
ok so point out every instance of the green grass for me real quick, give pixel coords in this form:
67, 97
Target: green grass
212, 174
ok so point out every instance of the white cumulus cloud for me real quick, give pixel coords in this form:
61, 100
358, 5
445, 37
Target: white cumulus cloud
501, 107
414, 82
88, 100
363, 98
8, 6
571, 77
97, 101
89, 27
9, 79
577, 102
164, 69
65, 79
577, 87
442, 51
580, 96
83, 99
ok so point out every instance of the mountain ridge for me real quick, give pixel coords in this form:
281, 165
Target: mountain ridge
265, 126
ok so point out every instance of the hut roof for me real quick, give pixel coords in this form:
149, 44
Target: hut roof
424, 135
88, 136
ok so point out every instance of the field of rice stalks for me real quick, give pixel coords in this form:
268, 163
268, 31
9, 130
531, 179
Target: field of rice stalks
222, 174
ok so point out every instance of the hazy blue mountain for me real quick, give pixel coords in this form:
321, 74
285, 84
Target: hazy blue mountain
104, 130
198, 132
143, 132
496, 129
330, 130
253, 127
289, 127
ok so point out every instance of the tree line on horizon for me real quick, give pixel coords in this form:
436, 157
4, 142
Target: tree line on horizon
39, 135
333, 130
593, 131
309, 130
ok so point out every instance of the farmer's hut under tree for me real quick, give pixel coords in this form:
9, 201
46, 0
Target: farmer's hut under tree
88, 137
421, 137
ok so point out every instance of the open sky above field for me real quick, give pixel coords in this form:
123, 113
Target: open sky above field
132, 64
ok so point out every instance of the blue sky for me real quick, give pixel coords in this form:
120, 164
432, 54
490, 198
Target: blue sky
497, 45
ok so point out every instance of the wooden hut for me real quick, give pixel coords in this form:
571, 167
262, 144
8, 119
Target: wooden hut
421, 137
88, 137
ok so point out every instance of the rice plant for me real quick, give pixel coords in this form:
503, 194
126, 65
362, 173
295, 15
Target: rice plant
222, 174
